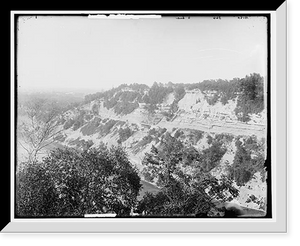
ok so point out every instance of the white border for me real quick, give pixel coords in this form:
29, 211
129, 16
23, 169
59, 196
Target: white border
273, 112
156, 225
12, 117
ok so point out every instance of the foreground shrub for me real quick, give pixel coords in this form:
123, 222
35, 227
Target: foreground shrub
69, 183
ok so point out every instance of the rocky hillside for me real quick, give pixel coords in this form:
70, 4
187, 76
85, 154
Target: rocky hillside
225, 121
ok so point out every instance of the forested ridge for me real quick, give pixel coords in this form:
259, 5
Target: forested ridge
249, 92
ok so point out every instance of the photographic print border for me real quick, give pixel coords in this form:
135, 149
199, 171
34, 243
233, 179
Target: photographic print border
180, 224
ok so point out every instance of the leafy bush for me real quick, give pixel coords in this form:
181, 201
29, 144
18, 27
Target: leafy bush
69, 183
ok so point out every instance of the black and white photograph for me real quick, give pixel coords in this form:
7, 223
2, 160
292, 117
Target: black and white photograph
142, 116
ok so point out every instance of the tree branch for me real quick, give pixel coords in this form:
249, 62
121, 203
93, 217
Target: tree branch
24, 147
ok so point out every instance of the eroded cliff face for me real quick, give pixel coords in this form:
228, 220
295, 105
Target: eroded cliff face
195, 122
196, 113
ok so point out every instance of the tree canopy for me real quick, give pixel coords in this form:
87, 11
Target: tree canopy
185, 187
70, 183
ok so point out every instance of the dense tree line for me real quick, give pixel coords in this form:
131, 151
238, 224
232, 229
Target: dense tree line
249, 92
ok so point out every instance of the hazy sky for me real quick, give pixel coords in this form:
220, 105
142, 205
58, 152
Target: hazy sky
56, 52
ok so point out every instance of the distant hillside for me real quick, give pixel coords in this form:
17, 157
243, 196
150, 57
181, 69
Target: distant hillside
63, 100
248, 91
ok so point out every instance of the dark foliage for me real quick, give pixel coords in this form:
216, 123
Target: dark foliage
210, 157
76, 122
151, 108
81, 144
145, 140
209, 139
105, 129
248, 160
125, 134
251, 97
70, 183
125, 107
181, 193
95, 109
157, 93
91, 127
178, 133
69, 123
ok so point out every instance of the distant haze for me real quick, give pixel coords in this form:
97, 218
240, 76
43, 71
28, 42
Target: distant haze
69, 52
